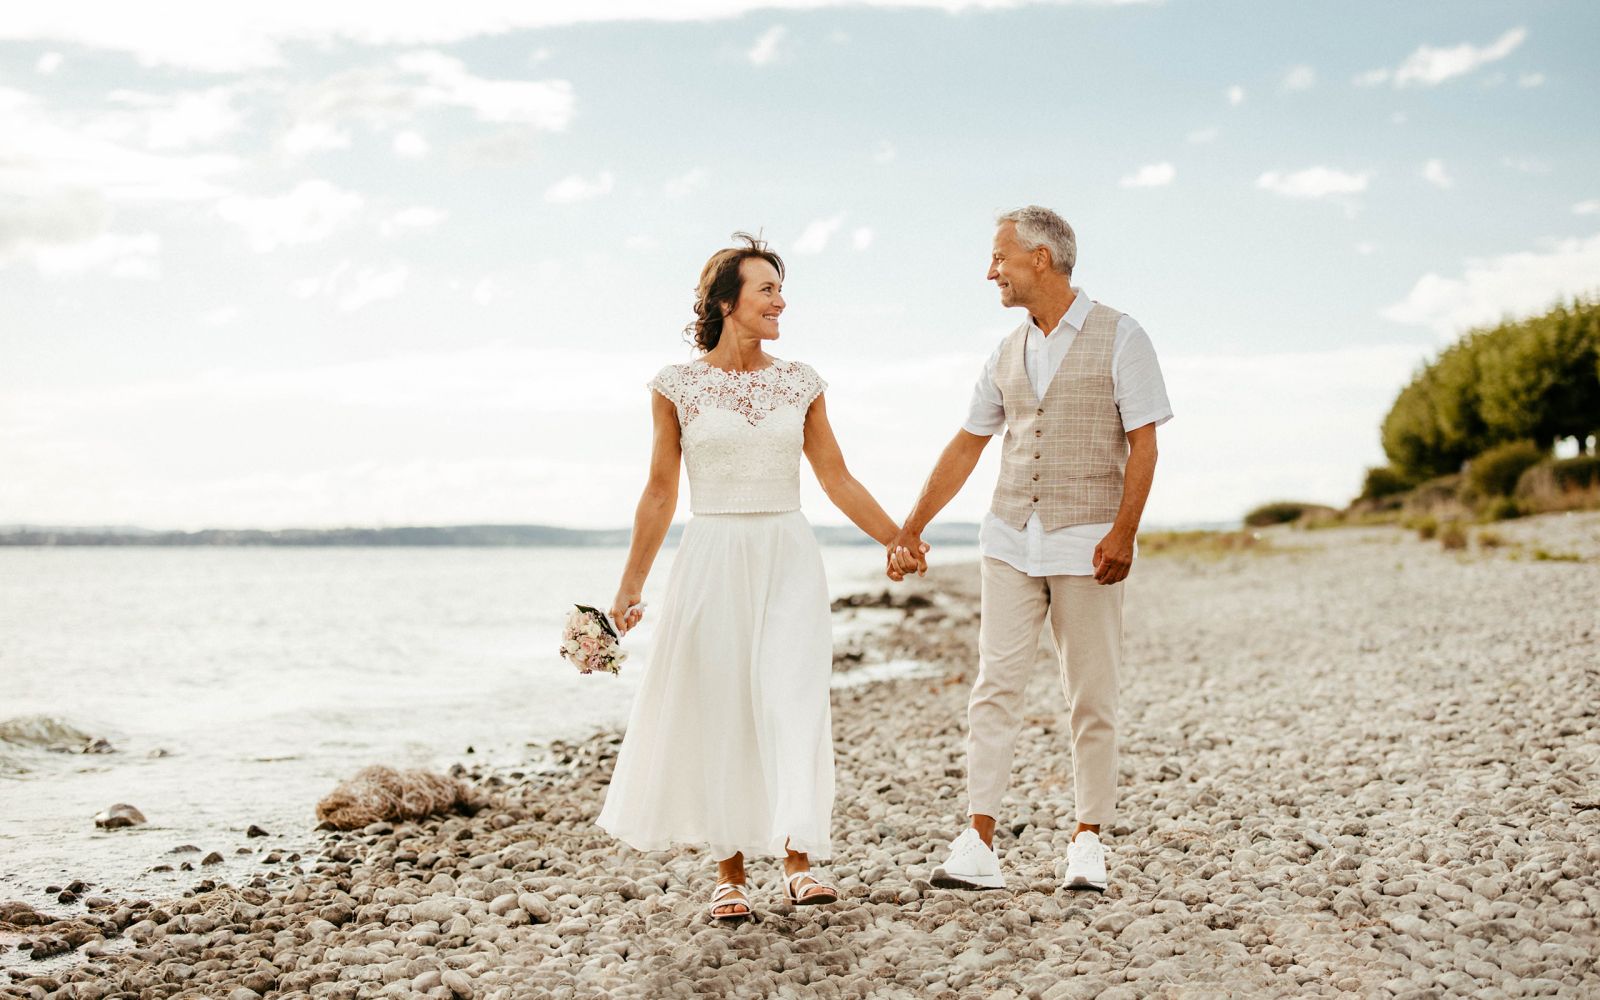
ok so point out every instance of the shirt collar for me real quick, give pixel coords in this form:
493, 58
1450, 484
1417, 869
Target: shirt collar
1075, 316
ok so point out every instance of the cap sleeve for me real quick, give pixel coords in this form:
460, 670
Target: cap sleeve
811, 385
668, 383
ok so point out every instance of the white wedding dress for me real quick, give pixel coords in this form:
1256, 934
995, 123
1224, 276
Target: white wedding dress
729, 743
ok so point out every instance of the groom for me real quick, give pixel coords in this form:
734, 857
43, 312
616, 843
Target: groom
1079, 393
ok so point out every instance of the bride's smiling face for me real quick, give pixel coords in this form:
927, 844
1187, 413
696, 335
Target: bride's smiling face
760, 299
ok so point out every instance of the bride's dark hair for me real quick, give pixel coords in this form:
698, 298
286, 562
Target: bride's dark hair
720, 283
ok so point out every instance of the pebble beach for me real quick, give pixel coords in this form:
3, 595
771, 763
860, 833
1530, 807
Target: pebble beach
1353, 763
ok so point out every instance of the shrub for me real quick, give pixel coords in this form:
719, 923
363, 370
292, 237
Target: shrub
1570, 484
1501, 509
1426, 527
1384, 481
1490, 540
1495, 472
1451, 536
1282, 512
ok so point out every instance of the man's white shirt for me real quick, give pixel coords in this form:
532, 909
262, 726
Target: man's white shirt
1141, 397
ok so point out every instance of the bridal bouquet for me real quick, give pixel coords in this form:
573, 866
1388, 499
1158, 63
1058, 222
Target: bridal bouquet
590, 642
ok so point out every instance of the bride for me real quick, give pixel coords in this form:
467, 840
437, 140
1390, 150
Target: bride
729, 743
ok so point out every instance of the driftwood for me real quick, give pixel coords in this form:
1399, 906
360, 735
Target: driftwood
385, 793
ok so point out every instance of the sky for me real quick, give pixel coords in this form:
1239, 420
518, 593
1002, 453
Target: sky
311, 264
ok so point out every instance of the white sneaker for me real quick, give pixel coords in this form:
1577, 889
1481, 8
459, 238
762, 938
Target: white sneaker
1086, 862
971, 865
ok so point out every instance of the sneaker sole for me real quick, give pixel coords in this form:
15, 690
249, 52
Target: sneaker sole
1083, 883
943, 880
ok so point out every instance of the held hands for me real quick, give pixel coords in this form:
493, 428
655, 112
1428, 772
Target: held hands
1113, 557
627, 610
906, 553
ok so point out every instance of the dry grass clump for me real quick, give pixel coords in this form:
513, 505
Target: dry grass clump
1491, 540
1211, 544
1452, 536
384, 793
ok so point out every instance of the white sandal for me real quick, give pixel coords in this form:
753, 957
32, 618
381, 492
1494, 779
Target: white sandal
813, 898
719, 898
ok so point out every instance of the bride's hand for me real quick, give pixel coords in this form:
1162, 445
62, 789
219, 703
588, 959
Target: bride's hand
627, 610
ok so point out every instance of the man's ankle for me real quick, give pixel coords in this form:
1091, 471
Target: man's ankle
984, 826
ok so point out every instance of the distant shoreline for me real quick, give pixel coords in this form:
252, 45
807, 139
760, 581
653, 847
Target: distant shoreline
468, 536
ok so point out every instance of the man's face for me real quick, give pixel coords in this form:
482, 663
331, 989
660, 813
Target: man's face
1012, 268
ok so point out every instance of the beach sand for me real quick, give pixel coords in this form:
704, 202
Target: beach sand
1353, 763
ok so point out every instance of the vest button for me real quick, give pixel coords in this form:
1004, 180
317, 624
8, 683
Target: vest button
1035, 454
1035, 499
1038, 433
1036, 477
1040, 411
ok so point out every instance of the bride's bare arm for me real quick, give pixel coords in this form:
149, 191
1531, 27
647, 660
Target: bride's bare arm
827, 461
654, 514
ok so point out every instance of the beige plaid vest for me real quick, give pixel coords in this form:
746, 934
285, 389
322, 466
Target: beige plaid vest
1063, 455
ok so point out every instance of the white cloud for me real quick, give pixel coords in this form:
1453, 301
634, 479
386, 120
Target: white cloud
1150, 175
574, 187
862, 237
48, 63
884, 153
373, 285
1525, 164
1429, 66
45, 153
1203, 135
413, 219
1434, 173
220, 38
1372, 78
1300, 78
121, 255
814, 239
1531, 80
544, 104
172, 121
311, 212
1236, 95
1490, 289
314, 136
765, 50
410, 144
682, 187
1313, 182
1589, 207
221, 316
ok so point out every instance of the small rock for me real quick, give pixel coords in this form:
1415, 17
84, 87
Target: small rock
457, 983
211, 859
117, 816
255, 831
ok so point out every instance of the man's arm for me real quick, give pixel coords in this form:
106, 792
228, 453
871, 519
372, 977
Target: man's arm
1113, 557
960, 457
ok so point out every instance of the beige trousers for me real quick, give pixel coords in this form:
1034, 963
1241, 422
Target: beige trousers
1086, 621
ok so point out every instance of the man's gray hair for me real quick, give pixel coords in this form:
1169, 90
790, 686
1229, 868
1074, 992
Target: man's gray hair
1039, 227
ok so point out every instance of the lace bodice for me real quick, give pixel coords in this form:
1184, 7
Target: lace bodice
742, 433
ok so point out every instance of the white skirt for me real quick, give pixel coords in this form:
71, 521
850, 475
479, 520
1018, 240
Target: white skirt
729, 743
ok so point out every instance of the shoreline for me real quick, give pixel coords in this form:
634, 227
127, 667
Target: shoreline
1347, 768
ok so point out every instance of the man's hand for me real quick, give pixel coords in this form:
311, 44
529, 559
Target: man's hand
906, 553
1113, 557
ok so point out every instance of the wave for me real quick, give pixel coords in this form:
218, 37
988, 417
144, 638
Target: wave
42, 731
